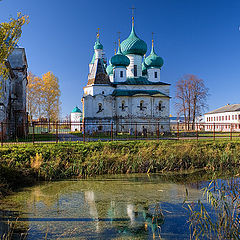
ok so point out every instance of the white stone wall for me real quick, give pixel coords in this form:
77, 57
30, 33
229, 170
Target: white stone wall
90, 65
226, 121
76, 121
151, 74
116, 74
134, 60
98, 89
111, 77
98, 53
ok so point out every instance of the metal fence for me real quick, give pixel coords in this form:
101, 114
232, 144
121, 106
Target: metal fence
62, 131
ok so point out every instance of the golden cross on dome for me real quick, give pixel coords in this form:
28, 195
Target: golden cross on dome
133, 8
115, 46
152, 38
98, 32
118, 38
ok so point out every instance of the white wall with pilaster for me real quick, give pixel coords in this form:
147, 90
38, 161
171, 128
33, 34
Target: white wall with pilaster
134, 60
151, 74
98, 89
98, 53
111, 77
117, 74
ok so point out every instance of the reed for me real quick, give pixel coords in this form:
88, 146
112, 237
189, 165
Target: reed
222, 220
69, 160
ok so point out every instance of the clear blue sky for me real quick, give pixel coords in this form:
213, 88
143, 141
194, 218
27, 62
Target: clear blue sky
200, 37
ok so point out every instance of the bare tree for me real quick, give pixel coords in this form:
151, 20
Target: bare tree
191, 98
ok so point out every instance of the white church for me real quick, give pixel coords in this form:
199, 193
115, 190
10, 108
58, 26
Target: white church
128, 93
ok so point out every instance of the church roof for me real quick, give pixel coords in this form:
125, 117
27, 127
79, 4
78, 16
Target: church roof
98, 73
121, 92
139, 81
76, 110
133, 44
120, 60
109, 69
98, 45
227, 108
153, 60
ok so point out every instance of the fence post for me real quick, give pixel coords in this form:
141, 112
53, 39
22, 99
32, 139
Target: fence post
197, 131
230, 132
33, 136
112, 131
158, 131
214, 131
84, 130
56, 131
2, 134
136, 131
178, 130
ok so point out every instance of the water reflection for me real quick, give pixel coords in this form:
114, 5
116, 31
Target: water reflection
111, 207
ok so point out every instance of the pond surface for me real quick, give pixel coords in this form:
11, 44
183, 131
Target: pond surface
109, 207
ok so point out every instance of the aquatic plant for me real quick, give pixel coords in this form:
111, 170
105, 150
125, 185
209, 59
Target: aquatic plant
222, 220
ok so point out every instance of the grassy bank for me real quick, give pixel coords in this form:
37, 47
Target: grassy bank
22, 164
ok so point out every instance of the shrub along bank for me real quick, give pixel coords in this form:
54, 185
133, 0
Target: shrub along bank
24, 164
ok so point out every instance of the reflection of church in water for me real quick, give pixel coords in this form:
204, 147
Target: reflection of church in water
127, 91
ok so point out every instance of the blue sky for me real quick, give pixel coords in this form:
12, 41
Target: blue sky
198, 37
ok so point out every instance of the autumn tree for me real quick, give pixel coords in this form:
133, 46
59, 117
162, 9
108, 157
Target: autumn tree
51, 96
43, 96
10, 32
191, 98
34, 96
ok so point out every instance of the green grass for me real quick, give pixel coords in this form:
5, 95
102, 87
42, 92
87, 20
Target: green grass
68, 160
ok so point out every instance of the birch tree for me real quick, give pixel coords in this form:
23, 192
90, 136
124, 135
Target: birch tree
51, 96
191, 98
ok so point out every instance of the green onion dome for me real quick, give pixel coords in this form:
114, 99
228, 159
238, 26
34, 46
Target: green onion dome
133, 45
98, 45
109, 69
153, 60
119, 60
76, 110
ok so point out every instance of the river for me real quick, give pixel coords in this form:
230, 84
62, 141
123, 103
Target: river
134, 206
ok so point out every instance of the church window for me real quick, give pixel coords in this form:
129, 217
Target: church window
135, 70
159, 106
121, 74
102, 92
155, 74
99, 107
141, 105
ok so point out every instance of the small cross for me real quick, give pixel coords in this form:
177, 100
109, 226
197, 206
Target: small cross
119, 37
98, 32
115, 46
152, 37
133, 8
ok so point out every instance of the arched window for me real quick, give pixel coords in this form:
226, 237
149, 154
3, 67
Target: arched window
155, 74
121, 74
160, 106
141, 105
99, 107
123, 105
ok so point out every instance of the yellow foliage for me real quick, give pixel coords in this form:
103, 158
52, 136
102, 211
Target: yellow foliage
36, 161
43, 96
10, 32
